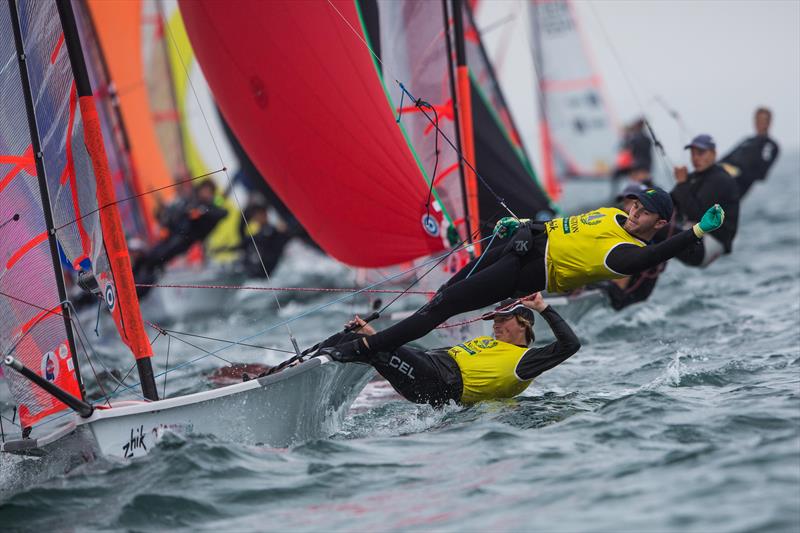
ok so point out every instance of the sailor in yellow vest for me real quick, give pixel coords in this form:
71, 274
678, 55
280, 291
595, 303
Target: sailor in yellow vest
484, 368
560, 255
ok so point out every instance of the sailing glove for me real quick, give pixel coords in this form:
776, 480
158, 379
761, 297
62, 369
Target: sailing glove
712, 219
507, 226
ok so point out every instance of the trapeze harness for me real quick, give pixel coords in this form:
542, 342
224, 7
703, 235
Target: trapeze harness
477, 370
567, 254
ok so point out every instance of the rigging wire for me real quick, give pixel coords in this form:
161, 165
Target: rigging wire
664, 158
304, 314
425, 114
227, 176
145, 193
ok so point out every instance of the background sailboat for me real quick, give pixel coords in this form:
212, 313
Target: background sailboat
61, 206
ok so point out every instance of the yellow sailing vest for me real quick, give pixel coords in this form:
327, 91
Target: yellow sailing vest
577, 248
488, 369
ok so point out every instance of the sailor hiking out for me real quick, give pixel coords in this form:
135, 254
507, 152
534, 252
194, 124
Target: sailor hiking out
560, 255
483, 368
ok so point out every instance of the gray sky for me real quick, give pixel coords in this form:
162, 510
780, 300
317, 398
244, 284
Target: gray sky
713, 61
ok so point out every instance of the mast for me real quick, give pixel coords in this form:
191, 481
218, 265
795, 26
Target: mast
464, 107
43, 192
550, 180
113, 235
451, 78
148, 219
493, 75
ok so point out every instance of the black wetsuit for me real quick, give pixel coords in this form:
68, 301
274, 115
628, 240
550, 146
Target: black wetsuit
700, 191
640, 285
434, 377
187, 225
502, 273
753, 157
265, 246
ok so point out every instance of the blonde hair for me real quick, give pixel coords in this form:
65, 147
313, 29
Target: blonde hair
524, 322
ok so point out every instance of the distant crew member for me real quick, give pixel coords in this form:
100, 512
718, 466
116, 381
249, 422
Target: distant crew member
694, 193
751, 160
187, 221
484, 368
560, 255
636, 152
263, 243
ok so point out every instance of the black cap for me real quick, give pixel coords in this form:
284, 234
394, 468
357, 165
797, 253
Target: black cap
655, 200
508, 307
703, 141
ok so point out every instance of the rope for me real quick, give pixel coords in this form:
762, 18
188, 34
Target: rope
418, 102
16, 217
227, 176
435, 124
664, 157
100, 208
310, 311
282, 289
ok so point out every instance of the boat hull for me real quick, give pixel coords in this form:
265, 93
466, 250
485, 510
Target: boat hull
301, 403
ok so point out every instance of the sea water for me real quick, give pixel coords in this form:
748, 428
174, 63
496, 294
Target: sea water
678, 414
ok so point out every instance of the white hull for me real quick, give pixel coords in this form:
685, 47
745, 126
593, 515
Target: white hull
301, 403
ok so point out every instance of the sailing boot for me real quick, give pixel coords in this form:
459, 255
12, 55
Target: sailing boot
354, 351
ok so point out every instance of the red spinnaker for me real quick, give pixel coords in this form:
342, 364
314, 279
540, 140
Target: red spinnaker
298, 85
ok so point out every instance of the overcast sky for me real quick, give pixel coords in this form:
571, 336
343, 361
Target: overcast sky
713, 61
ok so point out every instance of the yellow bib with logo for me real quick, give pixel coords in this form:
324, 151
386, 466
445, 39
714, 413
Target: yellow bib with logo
488, 369
577, 248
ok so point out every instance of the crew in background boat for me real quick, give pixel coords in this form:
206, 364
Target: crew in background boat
638, 287
263, 243
751, 160
636, 152
188, 220
697, 191
480, 369
560, 255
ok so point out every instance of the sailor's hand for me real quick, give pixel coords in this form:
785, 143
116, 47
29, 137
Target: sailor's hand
506, 227
712, 219
360, 326
681, 174
534, 301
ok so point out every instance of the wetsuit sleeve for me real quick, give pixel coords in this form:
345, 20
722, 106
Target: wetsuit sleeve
630, 259
688, 202
537, 360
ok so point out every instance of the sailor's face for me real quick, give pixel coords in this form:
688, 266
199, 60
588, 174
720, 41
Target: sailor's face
627, 204
762, 123
508, 329
640, 220
702, 159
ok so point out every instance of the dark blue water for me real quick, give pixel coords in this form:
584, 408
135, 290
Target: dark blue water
680, 414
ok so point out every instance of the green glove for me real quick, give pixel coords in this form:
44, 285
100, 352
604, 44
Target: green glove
712, 219
506, 226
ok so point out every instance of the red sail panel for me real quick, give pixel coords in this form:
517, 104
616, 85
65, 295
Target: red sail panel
32, 328
299, 88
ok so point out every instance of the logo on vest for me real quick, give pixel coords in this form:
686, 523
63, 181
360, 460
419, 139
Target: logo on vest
521, 246
402, 366
590, 219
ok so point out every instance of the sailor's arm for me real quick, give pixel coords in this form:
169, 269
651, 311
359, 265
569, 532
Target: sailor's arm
537, 360
630, 259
